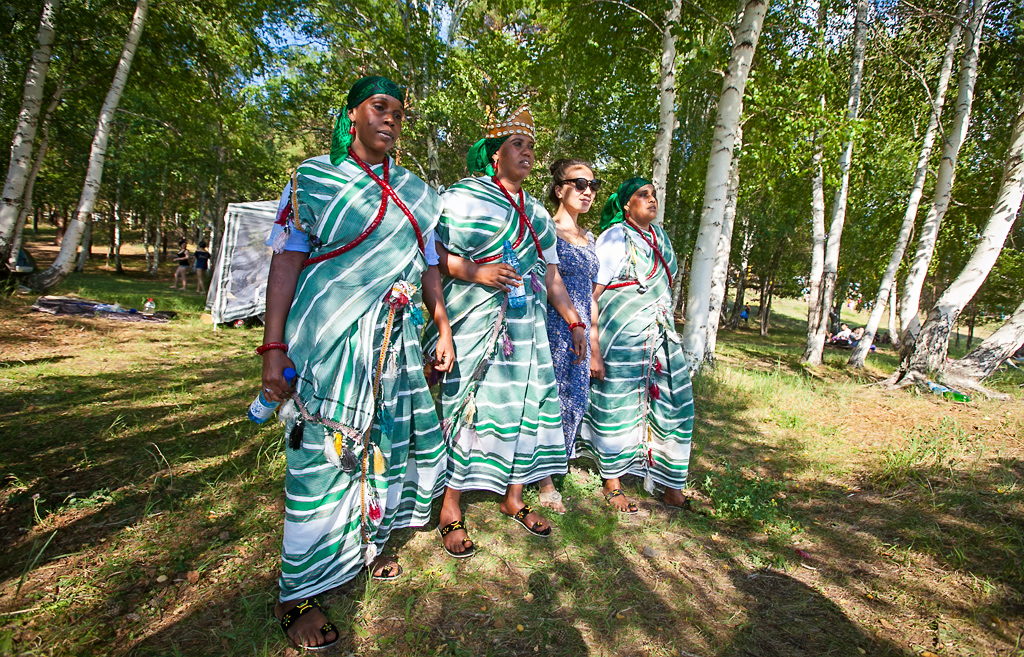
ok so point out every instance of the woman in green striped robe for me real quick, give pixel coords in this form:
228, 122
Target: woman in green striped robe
502, 419
354, 256
640, 416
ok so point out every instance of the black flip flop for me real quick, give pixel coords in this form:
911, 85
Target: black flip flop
520, 517
631, 508
449, 528
305, 606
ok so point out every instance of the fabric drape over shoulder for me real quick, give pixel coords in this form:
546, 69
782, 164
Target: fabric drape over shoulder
500, 403
347, 327
640, 417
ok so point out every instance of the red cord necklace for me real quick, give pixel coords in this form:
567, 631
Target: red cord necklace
386, 190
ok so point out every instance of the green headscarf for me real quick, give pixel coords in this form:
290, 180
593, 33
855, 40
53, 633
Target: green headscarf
613, 211
361, 90
478, 160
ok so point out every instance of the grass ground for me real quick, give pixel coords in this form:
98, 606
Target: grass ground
141, 513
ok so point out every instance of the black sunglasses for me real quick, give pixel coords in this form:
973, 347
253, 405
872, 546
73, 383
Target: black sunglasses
582, 183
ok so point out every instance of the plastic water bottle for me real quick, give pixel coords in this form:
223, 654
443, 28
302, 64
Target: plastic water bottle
261, 409
517, 292
948, 393
149, 306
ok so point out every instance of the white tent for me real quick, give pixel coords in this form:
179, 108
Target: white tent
238, 289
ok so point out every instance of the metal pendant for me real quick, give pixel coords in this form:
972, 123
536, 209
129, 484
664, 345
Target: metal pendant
641, 288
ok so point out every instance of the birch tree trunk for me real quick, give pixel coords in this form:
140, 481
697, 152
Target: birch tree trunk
116, 246
894, 327
830, 269
980, 363
25, 130
716, 185
910, 303
860, 352
61, 267
929, 351
666, 106
812, 352
37, 164
86, 250
741, 283
720, 271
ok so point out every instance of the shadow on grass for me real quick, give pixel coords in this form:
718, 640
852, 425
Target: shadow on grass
101, 453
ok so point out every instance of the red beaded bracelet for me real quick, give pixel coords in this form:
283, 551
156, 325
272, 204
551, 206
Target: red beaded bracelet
575, 324
271, 345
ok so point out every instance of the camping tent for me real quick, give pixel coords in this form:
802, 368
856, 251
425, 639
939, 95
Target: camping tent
238, 289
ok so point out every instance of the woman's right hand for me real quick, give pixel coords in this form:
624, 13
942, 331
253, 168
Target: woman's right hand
596, 365
275, 388
499, 275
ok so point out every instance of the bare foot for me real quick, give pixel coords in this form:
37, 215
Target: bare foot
305, 631
456, 541
675, 497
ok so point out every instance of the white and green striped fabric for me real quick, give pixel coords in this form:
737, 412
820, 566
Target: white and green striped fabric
335, 333
514, 435
628, 427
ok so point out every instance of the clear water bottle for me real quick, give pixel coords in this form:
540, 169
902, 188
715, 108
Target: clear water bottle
948, 393
517, 291
149, 306
261, 409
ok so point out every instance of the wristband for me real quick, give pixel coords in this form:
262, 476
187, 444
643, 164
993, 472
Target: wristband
575, 324
260, 350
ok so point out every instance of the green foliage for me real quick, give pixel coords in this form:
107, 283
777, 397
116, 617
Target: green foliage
742, 497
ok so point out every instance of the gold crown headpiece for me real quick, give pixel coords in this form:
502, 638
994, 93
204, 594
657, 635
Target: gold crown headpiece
520, 123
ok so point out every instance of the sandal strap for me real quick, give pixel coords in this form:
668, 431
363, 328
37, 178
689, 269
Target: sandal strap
521, 514
452, 526
615, 493
304, 606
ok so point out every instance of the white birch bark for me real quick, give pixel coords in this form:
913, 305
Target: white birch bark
910, 303
830, 270
932, 343
25, 130
85, 250
812, 352
30, 182
894, 326
62, 266
720, 271
986, 358
716, 185
666, 107
860, 352
741, 283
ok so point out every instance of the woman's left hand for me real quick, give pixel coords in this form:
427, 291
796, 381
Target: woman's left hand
579, 344
444, 355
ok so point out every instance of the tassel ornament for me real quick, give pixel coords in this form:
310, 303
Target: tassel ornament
281, 240
374, 511
369, 553
654, 391
378, 460
470, 412
535, 284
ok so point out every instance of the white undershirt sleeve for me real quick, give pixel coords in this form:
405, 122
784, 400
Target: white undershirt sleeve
611, 253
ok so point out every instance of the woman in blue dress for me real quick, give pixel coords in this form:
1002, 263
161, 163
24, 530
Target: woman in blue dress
572, 189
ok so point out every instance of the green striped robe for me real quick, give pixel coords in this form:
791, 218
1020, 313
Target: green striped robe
625, 429
515, 436
334, 333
